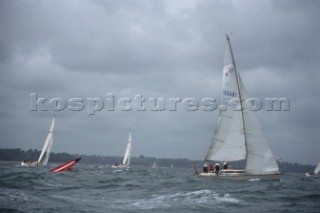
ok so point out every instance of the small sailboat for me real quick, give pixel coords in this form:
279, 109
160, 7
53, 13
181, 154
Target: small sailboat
238, 135
45, 153
315, 172
154, 165
127, 156
66, 166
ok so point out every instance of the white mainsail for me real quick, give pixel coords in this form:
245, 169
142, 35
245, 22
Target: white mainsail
45, 153
127, 155
228, 143
239, 135
317, 169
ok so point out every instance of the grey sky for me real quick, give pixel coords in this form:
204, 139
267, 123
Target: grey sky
157, 49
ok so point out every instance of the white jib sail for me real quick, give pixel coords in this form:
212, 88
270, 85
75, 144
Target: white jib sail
260, 159
317, 169
45, 153
127, 155
228, 143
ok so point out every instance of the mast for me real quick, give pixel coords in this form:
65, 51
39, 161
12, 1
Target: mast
241, 108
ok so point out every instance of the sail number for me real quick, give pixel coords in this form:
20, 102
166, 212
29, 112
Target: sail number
228, 93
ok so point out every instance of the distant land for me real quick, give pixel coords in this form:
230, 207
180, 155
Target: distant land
18, 154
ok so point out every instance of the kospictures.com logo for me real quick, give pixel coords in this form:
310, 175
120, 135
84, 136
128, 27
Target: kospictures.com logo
140, 103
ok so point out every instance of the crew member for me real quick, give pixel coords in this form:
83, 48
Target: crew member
205, 167
225, 165
217, 168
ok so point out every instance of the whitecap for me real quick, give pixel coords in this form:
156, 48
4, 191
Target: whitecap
227, 199
194, 199
12, 196
254, 179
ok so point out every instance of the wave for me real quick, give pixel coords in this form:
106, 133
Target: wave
12, 195
195, 199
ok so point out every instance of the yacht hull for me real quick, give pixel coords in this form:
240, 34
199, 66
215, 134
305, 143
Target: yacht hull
119, 166
29, 163
310, 174
242, 176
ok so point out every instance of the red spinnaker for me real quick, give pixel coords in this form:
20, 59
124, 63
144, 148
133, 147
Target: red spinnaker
65, 166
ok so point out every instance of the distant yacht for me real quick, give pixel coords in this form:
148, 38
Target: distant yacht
315, 172
45, 153
127, 156
154, 165
238, 135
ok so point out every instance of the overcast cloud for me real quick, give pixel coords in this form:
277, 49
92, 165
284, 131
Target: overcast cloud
157, 49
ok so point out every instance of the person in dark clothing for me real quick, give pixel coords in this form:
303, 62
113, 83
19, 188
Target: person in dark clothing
217, 168
225, 165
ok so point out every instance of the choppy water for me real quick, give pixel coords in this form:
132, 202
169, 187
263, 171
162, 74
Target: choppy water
95, 188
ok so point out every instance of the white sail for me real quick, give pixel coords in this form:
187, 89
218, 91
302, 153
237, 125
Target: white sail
260, 159
127, 155
228, 143
154, 165
239, 134
317, 169
45, 153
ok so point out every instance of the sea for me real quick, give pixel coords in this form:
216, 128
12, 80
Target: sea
100, 188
